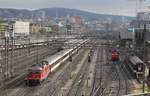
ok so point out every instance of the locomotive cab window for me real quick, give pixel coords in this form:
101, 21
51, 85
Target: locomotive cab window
35, 72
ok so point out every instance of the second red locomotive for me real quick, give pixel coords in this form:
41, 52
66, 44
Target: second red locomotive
115, 56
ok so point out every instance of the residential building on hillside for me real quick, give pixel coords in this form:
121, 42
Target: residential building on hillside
35, 27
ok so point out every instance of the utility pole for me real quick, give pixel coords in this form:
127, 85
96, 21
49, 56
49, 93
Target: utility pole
101, 67
6, 55
3, 29
29, 45
144, 54
37, 49
11, 36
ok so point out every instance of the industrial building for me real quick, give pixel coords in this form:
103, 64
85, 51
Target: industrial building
21, 28
16, 28
126, 38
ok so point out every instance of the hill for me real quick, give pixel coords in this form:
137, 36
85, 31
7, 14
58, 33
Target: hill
52, 12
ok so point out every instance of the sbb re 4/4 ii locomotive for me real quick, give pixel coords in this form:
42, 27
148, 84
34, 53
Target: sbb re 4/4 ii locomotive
115, 55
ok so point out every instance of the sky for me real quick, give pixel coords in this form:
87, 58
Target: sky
115, 7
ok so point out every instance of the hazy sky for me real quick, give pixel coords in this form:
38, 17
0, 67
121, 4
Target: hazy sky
117, 7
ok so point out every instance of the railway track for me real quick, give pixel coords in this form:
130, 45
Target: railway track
125, 81
44, 90
120, 86
131, 80
100, 71
81, 78
117, 87
103, 89
66, 75
86, 79
112, 83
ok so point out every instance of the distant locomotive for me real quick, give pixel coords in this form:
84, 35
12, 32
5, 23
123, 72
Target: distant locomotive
115, 55
136, 65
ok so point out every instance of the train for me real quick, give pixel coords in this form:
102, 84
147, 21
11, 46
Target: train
136, 65
39, 72
115, 55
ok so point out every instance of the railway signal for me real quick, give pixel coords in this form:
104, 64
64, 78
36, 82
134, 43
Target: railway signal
70, 58
89, 58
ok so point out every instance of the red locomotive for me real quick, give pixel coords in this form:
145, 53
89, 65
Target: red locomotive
115, 56
38, 73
